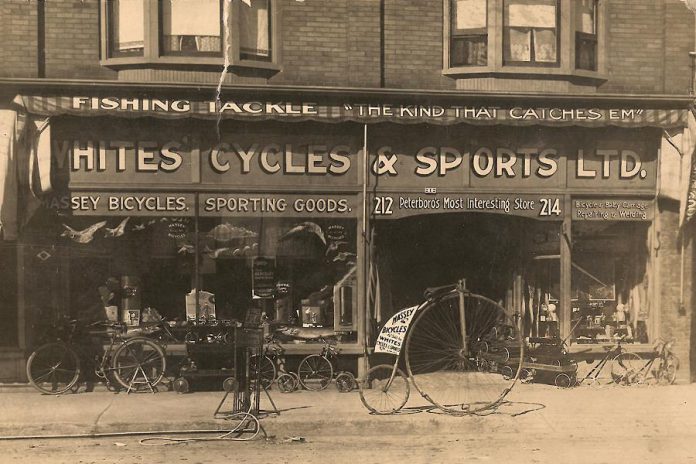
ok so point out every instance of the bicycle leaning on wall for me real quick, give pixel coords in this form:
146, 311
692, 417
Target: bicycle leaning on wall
135, 363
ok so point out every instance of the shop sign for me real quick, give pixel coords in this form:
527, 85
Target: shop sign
116, 153
545, 207
392, 335
612, 209
350, 110
281, 205
124, 204
263, 277
523, 159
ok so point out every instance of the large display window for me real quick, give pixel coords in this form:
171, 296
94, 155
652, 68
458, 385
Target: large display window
298, 271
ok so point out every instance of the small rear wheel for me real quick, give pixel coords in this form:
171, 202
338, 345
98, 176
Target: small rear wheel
53, 368
564, 381
381, 396
181, 385
345, 382
287, 383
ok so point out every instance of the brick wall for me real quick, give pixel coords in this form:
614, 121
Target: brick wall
337, 43
675, 317
329, 46
18, 54
648, 46
413, 45
72, 40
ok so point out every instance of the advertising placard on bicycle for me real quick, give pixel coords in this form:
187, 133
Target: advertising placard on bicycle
393, 334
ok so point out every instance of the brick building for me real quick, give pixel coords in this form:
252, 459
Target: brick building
578, 109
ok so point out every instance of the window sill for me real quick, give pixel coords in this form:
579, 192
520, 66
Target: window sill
463, 72
204, 61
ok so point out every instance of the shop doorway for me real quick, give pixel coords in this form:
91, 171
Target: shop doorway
487, 250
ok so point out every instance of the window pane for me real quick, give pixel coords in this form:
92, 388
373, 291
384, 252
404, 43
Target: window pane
519, 46
126, 27
585, 51
469, 51
530, 13
585, 16
545, 45
191, 27
254, 30
469, 14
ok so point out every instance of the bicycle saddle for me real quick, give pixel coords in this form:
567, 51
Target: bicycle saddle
434, 292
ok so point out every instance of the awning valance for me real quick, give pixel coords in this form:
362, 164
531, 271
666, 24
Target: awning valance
369, 112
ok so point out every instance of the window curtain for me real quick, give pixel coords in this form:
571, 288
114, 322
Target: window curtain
127, 24
254, 29
191, 25
527, 22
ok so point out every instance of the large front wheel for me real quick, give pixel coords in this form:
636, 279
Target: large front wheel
443, 356
384, 391
139, 364
53, 368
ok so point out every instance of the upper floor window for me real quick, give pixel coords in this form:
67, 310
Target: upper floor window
469, 38
191, 27
255, 31
531, 32
539, 37
126, 31
188, 32
586, 35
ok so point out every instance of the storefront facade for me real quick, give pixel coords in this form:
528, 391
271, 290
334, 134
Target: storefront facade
329, 218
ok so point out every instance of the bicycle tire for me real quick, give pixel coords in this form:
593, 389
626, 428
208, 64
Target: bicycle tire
667, 373
139, 364
287, 383
267, 369
57, 362
626, 368
315, 372
440, 356
345, 382
379, 400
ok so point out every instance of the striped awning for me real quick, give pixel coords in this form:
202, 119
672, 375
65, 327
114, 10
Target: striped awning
250, 110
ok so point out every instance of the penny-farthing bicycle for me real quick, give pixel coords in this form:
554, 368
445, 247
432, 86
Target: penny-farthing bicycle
443, 341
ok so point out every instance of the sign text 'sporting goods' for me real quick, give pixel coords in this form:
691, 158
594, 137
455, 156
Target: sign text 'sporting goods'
393, 334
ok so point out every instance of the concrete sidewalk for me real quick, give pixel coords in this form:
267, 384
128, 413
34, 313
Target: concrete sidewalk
533, 410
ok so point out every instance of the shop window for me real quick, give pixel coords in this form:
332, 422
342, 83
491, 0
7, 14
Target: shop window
187, 33
126, 27
531, 32
586, 35
610, 284
469, 37
296, 271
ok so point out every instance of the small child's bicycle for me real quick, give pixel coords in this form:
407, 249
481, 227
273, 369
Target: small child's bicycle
316, 371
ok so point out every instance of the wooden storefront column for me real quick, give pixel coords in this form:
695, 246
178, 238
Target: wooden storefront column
565, 310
